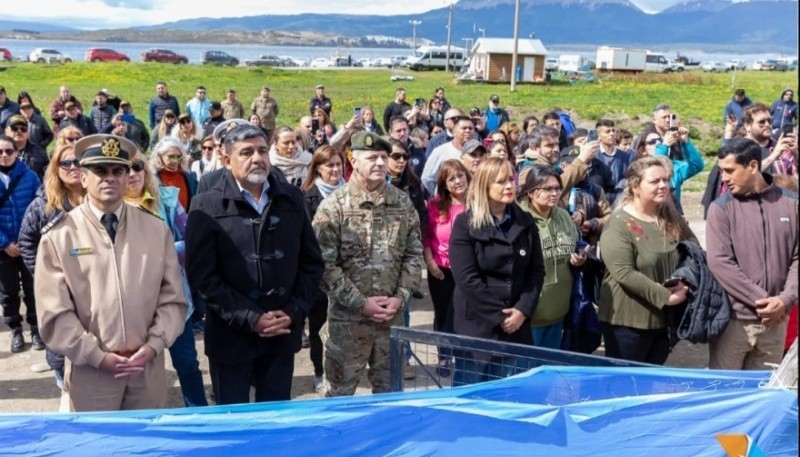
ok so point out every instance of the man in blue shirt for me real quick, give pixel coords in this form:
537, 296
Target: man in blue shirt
495, 116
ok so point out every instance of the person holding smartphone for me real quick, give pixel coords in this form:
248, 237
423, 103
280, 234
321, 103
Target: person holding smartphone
396, 108
539, 196
639, 252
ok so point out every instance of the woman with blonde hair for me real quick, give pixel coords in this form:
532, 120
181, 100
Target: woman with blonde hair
512, 132
497, 265
639, 252
144, 191
68, 136
164, 128
61, 192
190, 134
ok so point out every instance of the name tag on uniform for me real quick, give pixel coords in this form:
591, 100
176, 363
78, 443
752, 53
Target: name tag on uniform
81, 251
785, 219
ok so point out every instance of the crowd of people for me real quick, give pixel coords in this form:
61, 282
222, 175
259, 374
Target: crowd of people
127, 240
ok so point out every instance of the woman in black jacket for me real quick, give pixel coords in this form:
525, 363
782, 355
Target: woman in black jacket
497, 264
325, 175
61, 191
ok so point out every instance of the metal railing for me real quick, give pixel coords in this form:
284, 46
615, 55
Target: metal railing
471, 359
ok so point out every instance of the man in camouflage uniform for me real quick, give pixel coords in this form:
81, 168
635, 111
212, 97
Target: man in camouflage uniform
368, 232
266, 107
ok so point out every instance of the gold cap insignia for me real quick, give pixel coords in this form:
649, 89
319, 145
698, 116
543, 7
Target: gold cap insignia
110, 147
368, 141
231, 126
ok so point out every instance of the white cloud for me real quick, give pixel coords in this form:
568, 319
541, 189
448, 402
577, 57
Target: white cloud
103, 14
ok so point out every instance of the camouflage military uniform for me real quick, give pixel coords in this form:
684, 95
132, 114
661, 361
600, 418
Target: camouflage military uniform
371, 246
267, 111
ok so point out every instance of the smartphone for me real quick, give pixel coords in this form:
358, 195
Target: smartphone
673, 123
357, 112
419, 102
787, 129
672, 282
583, 252
592, 135
127, 118
314, 126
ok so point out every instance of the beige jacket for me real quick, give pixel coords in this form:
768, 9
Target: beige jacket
95, 297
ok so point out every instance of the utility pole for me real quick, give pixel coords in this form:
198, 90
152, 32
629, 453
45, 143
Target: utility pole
414, 25
449, 32
483, 32
516, 46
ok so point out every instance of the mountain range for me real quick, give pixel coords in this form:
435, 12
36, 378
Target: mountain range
750, 26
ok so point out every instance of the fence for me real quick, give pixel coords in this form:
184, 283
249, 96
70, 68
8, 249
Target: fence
471, 360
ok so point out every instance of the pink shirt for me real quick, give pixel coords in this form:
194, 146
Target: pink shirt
437, 236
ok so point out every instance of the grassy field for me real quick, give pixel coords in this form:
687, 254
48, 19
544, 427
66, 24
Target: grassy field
697, 97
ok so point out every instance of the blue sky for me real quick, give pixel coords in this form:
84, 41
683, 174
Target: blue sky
99, 14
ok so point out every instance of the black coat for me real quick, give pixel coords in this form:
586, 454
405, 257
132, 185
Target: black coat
493, 272
244, 264
707, 311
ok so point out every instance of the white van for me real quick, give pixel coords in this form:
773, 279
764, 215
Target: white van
657, 62
435, 57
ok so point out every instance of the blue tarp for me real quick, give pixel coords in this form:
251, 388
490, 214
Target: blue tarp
564, 411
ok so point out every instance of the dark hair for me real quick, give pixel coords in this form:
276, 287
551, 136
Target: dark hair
537, 175
322, 155
527, 121
200, 88
739, 92
101, 94
395, 119
409, 177
577, 133
4, 137
623, 134
447, 168
750, 111
744, 151
551, 115
458, 119
25, 94
604, 123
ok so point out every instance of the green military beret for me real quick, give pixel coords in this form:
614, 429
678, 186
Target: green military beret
103, 149
368, 141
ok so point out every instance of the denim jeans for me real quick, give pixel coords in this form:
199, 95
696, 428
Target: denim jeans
548, 336
184, 360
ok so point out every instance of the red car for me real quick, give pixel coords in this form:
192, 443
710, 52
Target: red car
5, 54
163, 56
105, 55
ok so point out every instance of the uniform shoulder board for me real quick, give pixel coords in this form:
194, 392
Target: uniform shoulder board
59, 217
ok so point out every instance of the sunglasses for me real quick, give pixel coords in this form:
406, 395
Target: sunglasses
67, 164
400, 156
137, 166
207, 148
173, 157
653, 141
169, 116
19, 128
72, 139
186, 120
764, 121
8, 152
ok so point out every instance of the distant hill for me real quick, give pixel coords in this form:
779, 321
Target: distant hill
749, 26
36, 27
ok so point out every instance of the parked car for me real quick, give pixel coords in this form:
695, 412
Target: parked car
163, 56
288, 61
779, 65
322, 62
736, 64
791, 63
715, 66
551, 64
762, 65
42, 55
105, 55
399, 61
6, 54
219, 57
383, 62
265, 60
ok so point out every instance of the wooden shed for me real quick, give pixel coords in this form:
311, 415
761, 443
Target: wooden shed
491, 60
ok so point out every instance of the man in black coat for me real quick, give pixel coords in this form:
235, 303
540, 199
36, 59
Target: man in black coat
252, 256
32, 154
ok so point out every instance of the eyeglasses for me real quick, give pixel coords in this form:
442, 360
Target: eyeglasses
766, 120
207, 148
67, 164
71, 139
653, 141
19, 128
173, 157
400, 156
137, 166
8, 152
550, 190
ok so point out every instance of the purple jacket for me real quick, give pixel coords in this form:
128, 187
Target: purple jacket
752, 244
